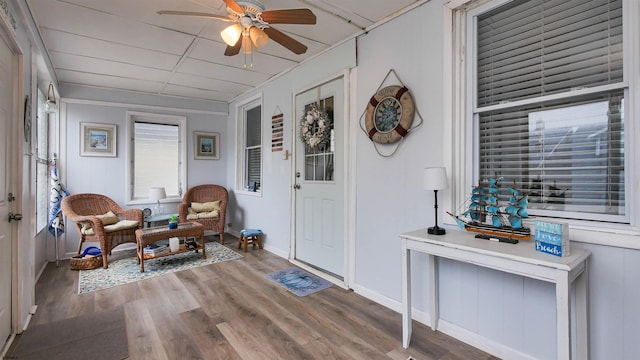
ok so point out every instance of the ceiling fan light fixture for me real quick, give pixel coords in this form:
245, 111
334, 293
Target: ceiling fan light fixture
231, 34
50, 105
258, 37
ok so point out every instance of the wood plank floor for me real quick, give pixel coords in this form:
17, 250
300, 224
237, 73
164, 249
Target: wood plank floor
230, 310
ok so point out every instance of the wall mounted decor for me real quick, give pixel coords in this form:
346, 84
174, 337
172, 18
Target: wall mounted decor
97, 139
389, 115
207, 145
277, 132
315, 127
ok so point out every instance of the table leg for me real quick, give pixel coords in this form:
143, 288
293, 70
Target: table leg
563, 311
434, 312
204, 253
582, 314
406, 295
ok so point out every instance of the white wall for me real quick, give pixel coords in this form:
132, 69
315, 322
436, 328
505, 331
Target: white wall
106, 175
512, 316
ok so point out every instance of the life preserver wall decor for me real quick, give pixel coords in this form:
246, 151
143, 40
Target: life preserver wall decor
389, 115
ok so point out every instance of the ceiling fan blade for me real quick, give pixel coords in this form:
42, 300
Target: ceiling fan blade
289, 16
233, 5
286, 41
235, 49
190, 13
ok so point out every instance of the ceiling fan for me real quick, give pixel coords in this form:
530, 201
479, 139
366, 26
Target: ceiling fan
251, 28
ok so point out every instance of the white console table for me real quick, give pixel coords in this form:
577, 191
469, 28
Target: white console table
521, 259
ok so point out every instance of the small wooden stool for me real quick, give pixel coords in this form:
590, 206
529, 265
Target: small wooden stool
250, 236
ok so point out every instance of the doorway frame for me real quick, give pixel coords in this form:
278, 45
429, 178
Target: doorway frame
349, 128
17, 153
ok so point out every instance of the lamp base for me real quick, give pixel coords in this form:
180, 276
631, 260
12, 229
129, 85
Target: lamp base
435, 230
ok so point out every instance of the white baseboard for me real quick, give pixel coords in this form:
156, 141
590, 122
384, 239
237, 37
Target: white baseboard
233, 232
485, 344
7, 346
39, 273
276, 251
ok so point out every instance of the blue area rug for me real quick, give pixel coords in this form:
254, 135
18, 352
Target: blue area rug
127, 270
298, 281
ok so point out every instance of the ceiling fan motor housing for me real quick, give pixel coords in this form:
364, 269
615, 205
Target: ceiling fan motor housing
251, 6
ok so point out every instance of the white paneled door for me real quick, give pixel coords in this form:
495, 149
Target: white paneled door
6, 101
320, 180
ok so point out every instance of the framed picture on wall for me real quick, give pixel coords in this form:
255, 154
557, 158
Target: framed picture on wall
207, 145
97, 139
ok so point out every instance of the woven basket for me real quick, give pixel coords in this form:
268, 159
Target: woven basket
85, 263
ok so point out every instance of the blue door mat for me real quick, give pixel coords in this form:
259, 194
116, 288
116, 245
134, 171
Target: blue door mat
298, 281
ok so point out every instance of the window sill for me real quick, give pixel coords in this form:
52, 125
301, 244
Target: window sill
623, 238
249, 193
169, 200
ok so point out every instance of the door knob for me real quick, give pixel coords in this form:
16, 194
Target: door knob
15, 217
296, 186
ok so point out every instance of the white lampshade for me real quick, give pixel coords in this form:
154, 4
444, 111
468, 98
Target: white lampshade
258, 36
157, 193
435, 178
231, 34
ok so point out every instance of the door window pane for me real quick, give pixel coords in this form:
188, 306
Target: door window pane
319, 159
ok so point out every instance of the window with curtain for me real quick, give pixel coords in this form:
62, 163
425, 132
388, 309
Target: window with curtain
252, 178
549, 105
157, 155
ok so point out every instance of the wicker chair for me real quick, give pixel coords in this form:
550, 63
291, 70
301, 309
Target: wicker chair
86, 211
207, 193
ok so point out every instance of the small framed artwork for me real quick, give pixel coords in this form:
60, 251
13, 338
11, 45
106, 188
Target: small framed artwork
97, 139
207, 145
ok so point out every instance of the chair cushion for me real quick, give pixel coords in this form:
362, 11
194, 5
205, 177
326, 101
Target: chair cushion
120, 225
209, 215
250, 232
107, 219
205, 207
203, 215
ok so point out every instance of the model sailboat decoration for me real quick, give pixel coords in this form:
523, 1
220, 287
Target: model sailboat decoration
484, 214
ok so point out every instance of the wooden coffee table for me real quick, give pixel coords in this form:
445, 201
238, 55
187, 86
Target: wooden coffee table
151, 235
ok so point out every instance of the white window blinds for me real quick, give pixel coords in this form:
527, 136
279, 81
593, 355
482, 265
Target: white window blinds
533, 48
156, 157
253, 150
566, 151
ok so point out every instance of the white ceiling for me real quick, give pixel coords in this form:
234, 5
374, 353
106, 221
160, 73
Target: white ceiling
126, 45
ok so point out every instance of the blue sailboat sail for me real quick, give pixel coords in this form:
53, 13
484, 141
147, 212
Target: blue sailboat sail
485, 214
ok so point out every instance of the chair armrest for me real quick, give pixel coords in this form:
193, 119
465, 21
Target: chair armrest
96, 223
135, 214
183, 209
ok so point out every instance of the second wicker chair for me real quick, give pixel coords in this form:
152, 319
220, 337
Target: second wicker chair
207, 205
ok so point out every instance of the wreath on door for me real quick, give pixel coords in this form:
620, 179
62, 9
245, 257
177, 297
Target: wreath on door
315, 127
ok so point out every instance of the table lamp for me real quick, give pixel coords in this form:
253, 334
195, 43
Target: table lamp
435, 178
155, 195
